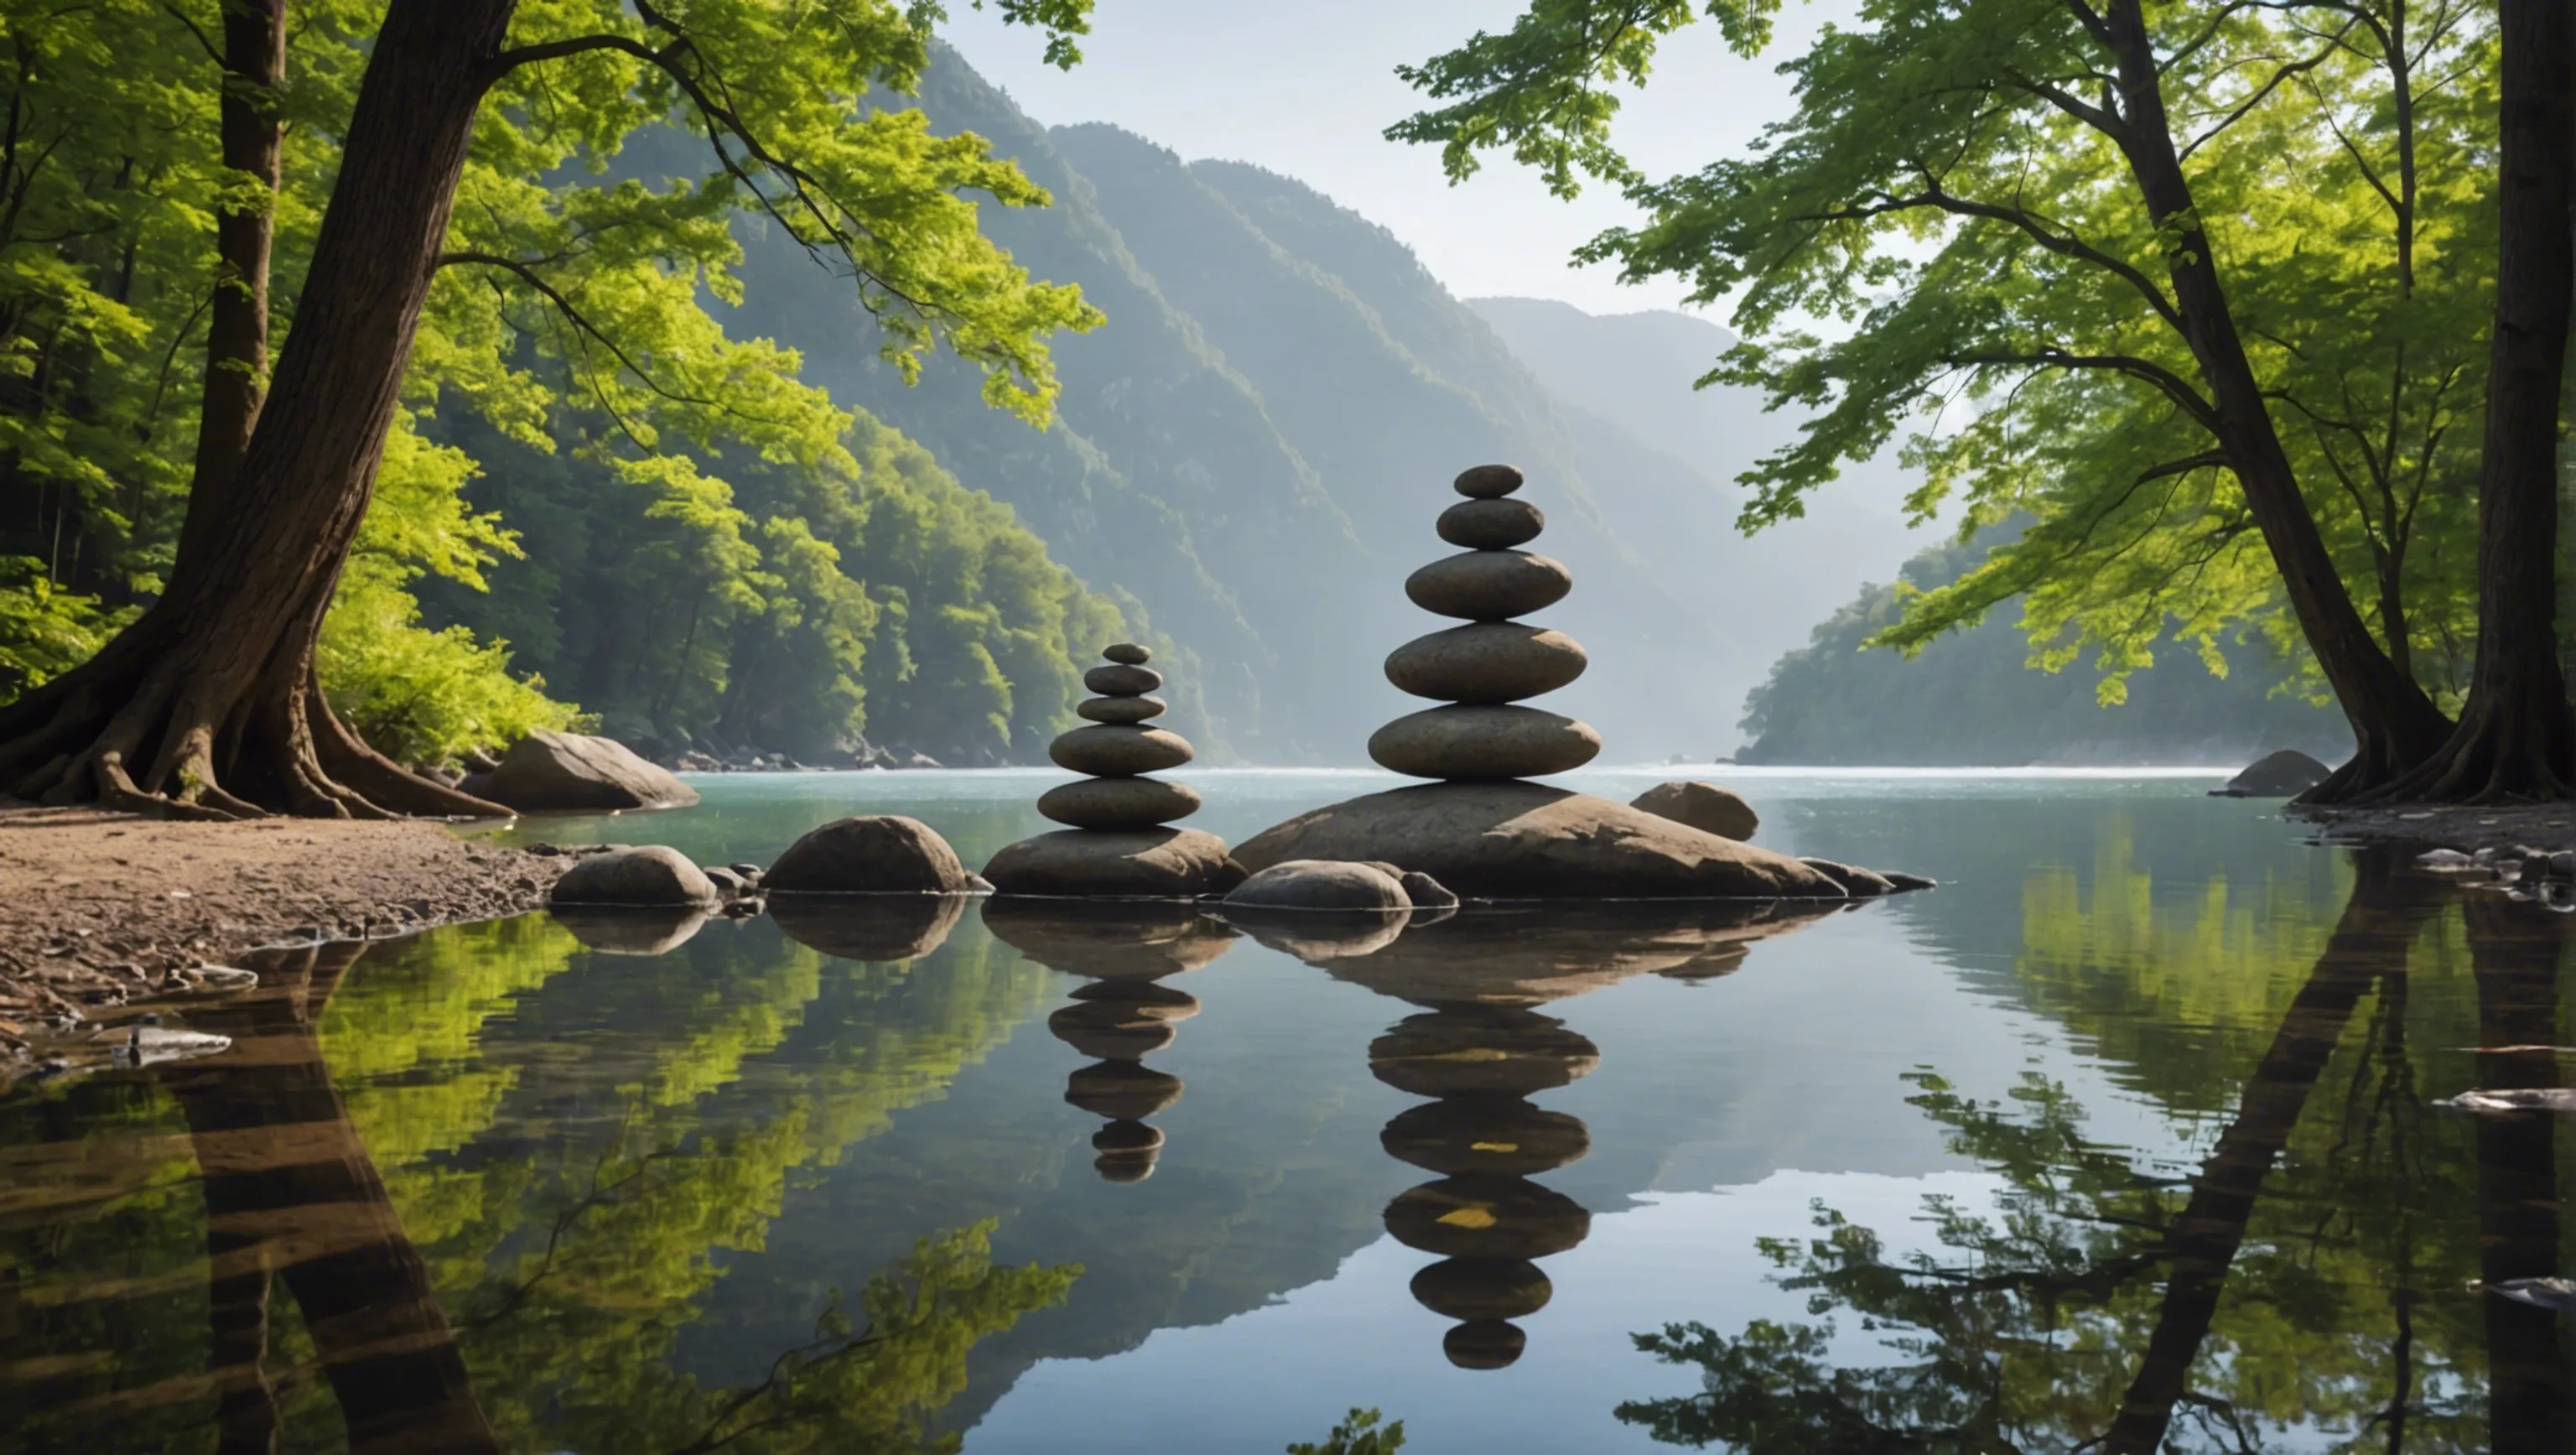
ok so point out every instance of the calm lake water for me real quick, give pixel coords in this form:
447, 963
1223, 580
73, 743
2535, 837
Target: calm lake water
2123, 1139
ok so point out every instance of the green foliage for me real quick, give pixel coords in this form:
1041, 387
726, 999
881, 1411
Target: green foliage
1997, 693
1357, 1434
45, 630
1946, 247
570, 314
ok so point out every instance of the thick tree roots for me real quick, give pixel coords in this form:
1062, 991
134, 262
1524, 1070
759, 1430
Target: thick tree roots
264, 746
2504, 753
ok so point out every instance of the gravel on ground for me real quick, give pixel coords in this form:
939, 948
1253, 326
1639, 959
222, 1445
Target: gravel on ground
2550, 827
101, 909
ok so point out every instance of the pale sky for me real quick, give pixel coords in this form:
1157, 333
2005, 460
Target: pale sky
1306, 87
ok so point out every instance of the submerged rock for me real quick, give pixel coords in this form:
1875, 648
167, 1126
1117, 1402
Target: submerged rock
869, 854
1703, 806
652, 876
551, 772
1514, 840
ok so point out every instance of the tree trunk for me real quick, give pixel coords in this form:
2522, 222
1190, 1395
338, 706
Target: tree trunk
2395, 725
254, 64
2379, 923
212, 692
2517, 739
2513, 952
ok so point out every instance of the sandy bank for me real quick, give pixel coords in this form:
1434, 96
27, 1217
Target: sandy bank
101, 908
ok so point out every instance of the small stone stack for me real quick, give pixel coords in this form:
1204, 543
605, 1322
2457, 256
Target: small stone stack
1117, 749
1121, 844
1484, 669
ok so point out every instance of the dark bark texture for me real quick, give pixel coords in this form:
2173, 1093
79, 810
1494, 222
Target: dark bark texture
253, 143
2395, 725
2517, 738
208, 705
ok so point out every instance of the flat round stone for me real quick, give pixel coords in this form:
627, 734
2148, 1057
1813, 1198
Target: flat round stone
1127, 654
1482, 1288
1109, 1032
1118, 803
1487, 482
1118, 752
1487, 1217
1123, 1090
1488, 662
1120, 709
1120, 679
1491, 525
1469, 742
1482, 586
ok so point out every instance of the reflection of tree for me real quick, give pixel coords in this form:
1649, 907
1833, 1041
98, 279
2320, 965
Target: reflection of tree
2098, 1306
2513, 951
573, 1148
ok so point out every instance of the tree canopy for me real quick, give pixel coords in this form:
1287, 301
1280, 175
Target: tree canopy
2187, 287
567, 334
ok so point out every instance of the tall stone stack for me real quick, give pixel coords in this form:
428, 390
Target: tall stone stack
1483, 670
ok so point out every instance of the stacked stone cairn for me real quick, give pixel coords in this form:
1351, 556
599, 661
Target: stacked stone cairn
1483, 670
1117, 749
1121, 843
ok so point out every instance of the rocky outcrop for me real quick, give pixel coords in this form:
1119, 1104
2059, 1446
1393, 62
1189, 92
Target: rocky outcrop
2276, 775
869, 854
550, 772
1703, 806
1514, 840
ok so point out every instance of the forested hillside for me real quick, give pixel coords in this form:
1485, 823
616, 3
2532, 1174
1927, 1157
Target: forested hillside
1257, 442
1972, 698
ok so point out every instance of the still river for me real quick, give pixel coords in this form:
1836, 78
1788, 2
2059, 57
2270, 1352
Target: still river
2126, 1138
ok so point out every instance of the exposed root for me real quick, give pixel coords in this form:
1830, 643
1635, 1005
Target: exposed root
218, 746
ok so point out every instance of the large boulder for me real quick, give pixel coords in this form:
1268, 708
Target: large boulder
1164, 863
549, 772
1516, 840
2276, 775
652, 877
1312, 884
1704, 806
884, 853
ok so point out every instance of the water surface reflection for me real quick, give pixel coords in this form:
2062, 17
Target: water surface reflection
2124, 1142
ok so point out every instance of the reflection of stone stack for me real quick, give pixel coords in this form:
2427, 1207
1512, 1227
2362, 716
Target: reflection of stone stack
1124, 1014
1117, 749
1484, 1216
1484, 669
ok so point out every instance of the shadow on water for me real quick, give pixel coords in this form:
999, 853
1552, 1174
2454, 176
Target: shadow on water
2102, 1306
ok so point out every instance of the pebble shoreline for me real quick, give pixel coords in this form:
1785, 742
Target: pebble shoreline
102, 910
